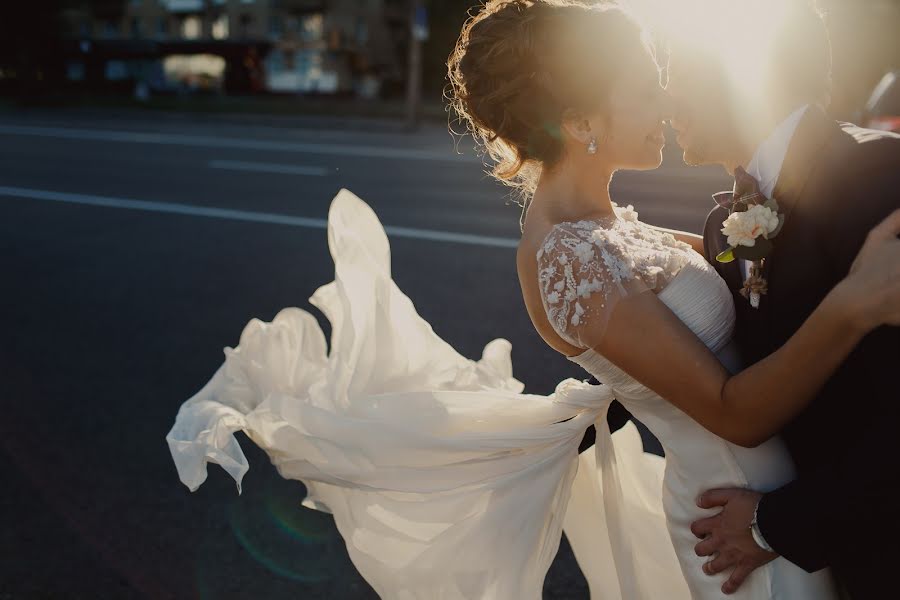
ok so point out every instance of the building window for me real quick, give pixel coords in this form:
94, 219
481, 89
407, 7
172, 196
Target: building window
110, 28
246, 21
75, 71
275, 26
116, 70
162, 27
312, 28
194, 71
362, 31
191, 28
136, 27
220, 27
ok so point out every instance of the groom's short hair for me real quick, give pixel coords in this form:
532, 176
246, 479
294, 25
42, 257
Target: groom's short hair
801, 56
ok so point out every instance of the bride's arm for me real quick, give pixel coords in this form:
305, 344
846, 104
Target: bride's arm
692, 239
646, 340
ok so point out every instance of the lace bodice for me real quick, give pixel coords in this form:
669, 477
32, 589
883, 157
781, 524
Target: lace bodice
586, 267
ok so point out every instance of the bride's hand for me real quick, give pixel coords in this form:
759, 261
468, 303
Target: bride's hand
872, 288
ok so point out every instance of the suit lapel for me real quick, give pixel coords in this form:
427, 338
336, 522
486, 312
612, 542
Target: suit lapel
812, 134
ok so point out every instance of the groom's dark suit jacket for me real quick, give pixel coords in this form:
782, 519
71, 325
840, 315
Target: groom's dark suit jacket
843, 511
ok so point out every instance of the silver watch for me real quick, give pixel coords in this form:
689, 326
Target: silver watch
756, 533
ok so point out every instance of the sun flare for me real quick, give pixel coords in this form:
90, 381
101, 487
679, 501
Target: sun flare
709, 25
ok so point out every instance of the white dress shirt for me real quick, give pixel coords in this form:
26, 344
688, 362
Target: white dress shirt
765, 166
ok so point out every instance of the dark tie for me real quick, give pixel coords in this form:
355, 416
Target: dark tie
746, 191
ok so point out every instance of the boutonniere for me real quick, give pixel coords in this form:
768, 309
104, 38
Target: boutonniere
753, 222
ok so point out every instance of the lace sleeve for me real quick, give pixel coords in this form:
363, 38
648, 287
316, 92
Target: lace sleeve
584, 272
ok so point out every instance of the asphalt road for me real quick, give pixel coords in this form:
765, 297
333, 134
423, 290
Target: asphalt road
134, 248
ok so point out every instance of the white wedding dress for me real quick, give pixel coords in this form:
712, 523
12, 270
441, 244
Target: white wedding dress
444, 479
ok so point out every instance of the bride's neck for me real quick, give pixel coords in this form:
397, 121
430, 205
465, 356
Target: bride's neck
568, 193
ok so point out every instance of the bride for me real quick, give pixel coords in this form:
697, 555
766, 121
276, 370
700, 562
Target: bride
446, 480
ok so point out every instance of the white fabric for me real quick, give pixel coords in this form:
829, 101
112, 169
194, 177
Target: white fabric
697, 460
767, 161
444, 479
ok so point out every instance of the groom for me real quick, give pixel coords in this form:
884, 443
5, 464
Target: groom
833, 182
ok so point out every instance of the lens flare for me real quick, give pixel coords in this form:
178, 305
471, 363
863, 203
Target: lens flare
292, 541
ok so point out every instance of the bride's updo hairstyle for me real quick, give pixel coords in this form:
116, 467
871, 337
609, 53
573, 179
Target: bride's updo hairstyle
520, 64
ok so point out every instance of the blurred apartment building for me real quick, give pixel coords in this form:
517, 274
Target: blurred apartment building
239, 46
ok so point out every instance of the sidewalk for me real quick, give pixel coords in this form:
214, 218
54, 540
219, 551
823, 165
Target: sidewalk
277, 111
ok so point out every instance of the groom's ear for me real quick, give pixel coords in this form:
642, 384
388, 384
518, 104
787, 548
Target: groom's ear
577, 127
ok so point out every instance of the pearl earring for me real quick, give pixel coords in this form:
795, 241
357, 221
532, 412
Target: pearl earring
592, 147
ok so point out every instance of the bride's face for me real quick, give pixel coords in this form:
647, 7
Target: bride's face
632, 129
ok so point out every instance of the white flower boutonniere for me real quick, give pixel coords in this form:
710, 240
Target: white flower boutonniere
753, 222
743, 228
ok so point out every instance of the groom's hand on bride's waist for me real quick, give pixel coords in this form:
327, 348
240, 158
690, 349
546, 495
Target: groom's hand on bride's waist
727, 537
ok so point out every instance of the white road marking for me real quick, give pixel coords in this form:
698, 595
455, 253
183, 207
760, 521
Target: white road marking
239, 165
248, 216
204, 141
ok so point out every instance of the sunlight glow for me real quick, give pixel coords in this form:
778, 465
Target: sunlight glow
709, 25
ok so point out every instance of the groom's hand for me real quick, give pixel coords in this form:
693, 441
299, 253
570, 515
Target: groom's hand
727, 538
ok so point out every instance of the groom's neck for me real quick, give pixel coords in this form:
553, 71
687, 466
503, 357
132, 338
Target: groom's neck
754, 131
